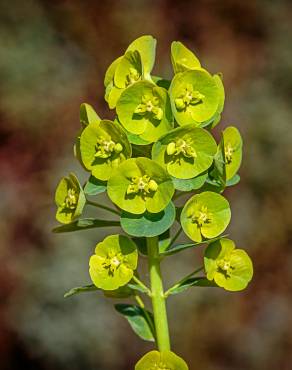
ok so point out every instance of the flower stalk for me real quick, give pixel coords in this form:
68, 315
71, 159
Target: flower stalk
158, 298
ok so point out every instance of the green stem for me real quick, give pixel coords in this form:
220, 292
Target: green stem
94, 204
158, 299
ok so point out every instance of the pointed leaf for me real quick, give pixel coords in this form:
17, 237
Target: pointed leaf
192, 282
80, 289
83, 224
179, 247
139, 319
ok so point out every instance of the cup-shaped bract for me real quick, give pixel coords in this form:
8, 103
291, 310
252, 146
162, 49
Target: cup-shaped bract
144, 109
229, 267
185, 152
182, 58
161, 360
136, 64
215, 119
103, 147
232, 151
114, 262
146, 46
88, 115
194, 97
205, 216
140, 184
70, 199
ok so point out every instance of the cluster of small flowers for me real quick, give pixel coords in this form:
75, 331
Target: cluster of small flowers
170, 123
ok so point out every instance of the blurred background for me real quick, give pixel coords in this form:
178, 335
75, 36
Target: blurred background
53, 56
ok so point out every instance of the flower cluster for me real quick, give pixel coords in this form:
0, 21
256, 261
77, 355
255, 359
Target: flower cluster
158, 147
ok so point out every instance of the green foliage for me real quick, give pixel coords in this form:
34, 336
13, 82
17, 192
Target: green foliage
161, 360
158, 147
140, 320
148, 224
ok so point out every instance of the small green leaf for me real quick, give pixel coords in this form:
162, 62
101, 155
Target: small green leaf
137, 287
138, 319
83, 224
192, 282
148, 224
180, 247
80, 289
94, 186
190, 184
233, 181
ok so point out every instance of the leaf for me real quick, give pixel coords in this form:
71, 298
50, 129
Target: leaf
148, 224
233, 181
190, 184
179, 247
83, 224
192, 282
80, 289
137, 287
139, 319
94, 186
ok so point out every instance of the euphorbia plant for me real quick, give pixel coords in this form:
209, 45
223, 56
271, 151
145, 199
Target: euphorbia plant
158, 147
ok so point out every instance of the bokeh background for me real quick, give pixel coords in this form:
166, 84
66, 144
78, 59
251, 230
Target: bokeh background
53, 56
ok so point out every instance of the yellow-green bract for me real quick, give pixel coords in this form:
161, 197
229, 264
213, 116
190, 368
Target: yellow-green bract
185, 152
103, 146
205, 215
140, 184
69, 198
182, 58
230, 268
113, 263
161, 360
135, 65
232, 151
144, 109
194, 97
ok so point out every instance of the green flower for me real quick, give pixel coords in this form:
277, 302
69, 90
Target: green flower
165, 360
144, 109
136, 64
185, 152
140, 184
194, 97
113, 263
205, 215
230, 268
87, 115
182, 58
232, 151
103, 147
69, 198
